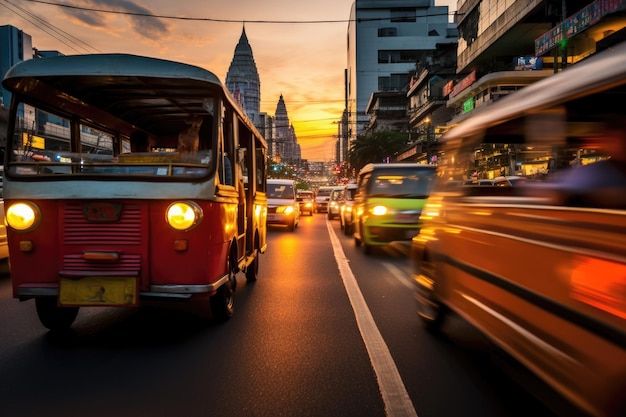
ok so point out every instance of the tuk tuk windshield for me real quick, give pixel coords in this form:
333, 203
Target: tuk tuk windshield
43, 143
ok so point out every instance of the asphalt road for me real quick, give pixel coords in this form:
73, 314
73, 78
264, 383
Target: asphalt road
325, 331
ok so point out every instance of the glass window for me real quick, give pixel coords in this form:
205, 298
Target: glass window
45, 143
96, 144
416, 183
40, 136
386, 32
403, 14
280, 191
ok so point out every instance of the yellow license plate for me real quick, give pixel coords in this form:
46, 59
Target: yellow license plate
98, 291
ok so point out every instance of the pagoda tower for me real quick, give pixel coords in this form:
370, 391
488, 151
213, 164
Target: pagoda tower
242, 78
285, 142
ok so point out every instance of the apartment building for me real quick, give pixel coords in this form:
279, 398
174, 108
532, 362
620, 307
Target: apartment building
17, 46
505, 45
385, 40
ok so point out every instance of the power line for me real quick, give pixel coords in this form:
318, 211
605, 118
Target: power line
205, 19
209, 19
313, 137
45, 26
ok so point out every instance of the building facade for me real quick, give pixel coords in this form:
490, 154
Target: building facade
427, 109
385, 41
17, 46
505, 45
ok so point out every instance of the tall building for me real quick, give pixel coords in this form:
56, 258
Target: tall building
17, 46
506, 45
385, 41
266, 127
285, 144
242, 79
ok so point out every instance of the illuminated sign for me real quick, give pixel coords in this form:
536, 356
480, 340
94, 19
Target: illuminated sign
576, 23
464, 83
36, 142
527, 63
468, 105
447, 88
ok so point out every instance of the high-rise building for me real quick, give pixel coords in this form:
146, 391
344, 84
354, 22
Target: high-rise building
385, 41
17, 46
242, 79
505, 46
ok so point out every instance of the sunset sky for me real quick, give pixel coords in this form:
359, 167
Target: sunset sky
299, 47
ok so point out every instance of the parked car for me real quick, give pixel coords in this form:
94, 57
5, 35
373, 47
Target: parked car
538, 267
321, 198
334, 202
306, 201
345, 210
282, 206
389, 201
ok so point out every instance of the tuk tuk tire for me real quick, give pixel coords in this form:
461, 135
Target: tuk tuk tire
222, 303
52, 316
367, 248
433, 315
252, 270
430, 309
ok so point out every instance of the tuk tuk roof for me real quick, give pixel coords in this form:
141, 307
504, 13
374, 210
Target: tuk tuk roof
154, 94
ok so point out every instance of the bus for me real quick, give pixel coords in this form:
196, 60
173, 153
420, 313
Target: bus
126, 179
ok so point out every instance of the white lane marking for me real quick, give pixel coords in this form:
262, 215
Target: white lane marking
396, 399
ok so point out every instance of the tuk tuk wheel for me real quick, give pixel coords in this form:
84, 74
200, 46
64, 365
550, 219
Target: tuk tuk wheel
54, 317
252, 271
223, 303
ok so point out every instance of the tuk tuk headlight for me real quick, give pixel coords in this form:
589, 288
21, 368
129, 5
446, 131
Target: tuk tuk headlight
23, 216
379, 210
183, 215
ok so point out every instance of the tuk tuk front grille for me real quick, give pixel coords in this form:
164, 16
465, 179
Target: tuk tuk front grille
78, 230
127, 262
122, 235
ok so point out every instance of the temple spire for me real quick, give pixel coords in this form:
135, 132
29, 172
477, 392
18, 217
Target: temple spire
242, 78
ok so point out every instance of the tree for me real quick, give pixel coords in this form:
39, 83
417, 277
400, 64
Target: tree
375, 147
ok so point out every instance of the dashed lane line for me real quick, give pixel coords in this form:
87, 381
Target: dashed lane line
395, 397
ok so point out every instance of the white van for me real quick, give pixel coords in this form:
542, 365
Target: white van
282, 205
321, 199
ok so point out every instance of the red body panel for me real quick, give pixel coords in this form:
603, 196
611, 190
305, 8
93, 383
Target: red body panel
141, 238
